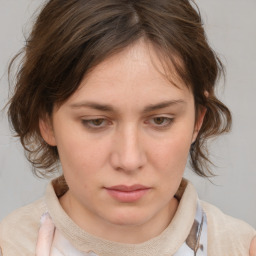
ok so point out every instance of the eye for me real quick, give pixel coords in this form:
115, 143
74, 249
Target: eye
96, 123
161, 121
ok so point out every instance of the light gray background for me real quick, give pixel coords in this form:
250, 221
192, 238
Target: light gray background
231, 28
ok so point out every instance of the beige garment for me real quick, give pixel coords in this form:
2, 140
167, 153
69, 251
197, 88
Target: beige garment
227, 236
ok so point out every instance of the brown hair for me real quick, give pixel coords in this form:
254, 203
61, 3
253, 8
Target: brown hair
70, 37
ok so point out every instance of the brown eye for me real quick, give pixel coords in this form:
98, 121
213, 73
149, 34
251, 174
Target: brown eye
159, 120
97, 122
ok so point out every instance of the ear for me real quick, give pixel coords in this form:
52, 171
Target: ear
46, 130
198, 123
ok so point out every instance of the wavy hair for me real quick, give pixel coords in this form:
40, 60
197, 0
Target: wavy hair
70, 37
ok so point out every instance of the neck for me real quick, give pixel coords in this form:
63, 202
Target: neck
122, 232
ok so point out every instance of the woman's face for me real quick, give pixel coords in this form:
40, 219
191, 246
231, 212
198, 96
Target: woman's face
123, 140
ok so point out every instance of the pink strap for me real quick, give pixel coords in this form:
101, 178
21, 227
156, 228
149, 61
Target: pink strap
45, 236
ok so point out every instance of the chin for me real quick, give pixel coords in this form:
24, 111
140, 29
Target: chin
128, 218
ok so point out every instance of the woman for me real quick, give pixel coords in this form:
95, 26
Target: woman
119, 93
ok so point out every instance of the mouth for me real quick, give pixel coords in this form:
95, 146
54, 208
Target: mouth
127, 194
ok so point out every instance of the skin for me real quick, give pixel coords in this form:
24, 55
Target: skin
253, 247
128, 143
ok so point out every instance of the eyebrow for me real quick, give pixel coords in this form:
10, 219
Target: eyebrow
109, 108
161, 105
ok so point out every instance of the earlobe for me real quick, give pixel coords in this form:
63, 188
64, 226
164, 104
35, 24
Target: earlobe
199, 122
200, 118
46, 130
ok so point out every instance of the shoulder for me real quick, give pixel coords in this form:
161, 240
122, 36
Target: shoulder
227, 235
18, 231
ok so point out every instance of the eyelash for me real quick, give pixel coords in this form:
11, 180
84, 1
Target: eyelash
88, 123
167, 122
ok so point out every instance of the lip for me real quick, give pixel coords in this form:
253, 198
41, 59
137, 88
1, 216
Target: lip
127, 194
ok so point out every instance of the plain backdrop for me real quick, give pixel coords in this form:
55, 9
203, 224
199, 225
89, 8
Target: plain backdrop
231, 29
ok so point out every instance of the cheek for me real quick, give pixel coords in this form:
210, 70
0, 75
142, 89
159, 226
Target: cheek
172, 153
79, 154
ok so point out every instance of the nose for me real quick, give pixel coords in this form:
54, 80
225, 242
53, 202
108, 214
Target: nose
128, 153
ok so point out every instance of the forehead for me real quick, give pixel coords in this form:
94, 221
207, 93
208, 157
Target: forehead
136, 75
